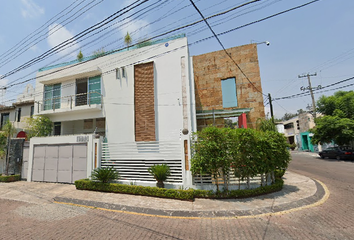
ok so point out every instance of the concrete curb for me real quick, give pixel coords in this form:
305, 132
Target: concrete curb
319, 197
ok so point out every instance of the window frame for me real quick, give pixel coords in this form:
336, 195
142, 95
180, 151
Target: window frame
229, 92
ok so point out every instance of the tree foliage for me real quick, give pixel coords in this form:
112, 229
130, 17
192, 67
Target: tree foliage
266, 125
337, 124
39, 126
247, 152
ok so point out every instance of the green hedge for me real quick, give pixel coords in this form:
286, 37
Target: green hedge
86, 184
11, 178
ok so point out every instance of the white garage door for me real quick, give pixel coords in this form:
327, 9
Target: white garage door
59, 163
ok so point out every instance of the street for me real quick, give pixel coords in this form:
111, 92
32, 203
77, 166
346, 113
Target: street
331, 220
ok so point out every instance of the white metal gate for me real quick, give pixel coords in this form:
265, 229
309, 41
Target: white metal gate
59, 163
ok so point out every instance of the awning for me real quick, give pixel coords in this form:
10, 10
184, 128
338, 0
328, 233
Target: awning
222, 113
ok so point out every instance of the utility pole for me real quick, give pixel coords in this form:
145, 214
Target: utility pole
271, 107
311, 92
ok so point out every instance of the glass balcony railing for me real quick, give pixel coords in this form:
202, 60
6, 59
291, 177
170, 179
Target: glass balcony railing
72, 101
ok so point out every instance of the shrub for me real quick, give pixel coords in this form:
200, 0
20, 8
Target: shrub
104, 175
190, 194
160, 173
10, 178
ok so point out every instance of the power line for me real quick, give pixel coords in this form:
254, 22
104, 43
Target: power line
205, 20
96, 26
48, 33
29, 36
196, 42
316, 90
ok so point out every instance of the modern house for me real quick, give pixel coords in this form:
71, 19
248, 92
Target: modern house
139, 99
137, 107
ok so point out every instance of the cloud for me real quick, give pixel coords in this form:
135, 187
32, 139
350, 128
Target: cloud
34, 48
58, 34
30, 9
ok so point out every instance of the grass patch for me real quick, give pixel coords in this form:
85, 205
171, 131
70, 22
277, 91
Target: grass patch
190, 194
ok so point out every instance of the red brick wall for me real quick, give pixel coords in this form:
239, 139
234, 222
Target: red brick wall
144, 102
211, 68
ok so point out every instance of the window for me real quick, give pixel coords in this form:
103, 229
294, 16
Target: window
88, 91
32, 111
124, 74
52, 94
117, 73
57, 128
229, 95
5, 117
19, 115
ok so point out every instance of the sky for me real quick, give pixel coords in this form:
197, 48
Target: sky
317, 38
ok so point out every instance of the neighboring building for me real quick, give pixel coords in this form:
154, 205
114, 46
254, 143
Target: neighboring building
18, 112
222, 91
296, 130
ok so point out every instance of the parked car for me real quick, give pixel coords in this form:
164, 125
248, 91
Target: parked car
345, 153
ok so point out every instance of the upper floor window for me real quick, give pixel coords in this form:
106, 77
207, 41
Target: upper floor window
5, 117
229, 95
32, 111
52, 96
19, 115
88, 91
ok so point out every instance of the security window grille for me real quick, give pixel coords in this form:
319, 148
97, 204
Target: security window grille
57, 128
229, 95
52, 94
88, 91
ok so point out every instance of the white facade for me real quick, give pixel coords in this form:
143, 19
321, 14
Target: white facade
114, 115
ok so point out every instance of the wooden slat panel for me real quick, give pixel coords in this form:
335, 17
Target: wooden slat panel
144, 102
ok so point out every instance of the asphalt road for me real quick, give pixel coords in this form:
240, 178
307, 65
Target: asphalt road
334, 219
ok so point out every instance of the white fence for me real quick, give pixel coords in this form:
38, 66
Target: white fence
133, 159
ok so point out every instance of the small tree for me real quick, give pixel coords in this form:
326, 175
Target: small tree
160, 173
40, 126
127, 39
80, 56
211, 153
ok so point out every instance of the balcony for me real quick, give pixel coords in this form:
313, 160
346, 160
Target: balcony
83, 102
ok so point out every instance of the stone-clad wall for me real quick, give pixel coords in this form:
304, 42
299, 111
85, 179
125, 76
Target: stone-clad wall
211, 68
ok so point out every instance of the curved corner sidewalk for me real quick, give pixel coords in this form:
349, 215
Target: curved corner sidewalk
298, 192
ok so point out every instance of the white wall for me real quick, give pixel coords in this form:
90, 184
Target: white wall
118, 94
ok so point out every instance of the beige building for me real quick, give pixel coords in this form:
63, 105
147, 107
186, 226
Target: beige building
222, 90
18, 112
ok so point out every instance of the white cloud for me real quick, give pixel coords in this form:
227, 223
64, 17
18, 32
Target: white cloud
58, 34
34, 48
30, 9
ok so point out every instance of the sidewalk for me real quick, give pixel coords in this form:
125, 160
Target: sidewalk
298, 192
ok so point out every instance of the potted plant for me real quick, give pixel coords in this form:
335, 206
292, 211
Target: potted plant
160, 173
